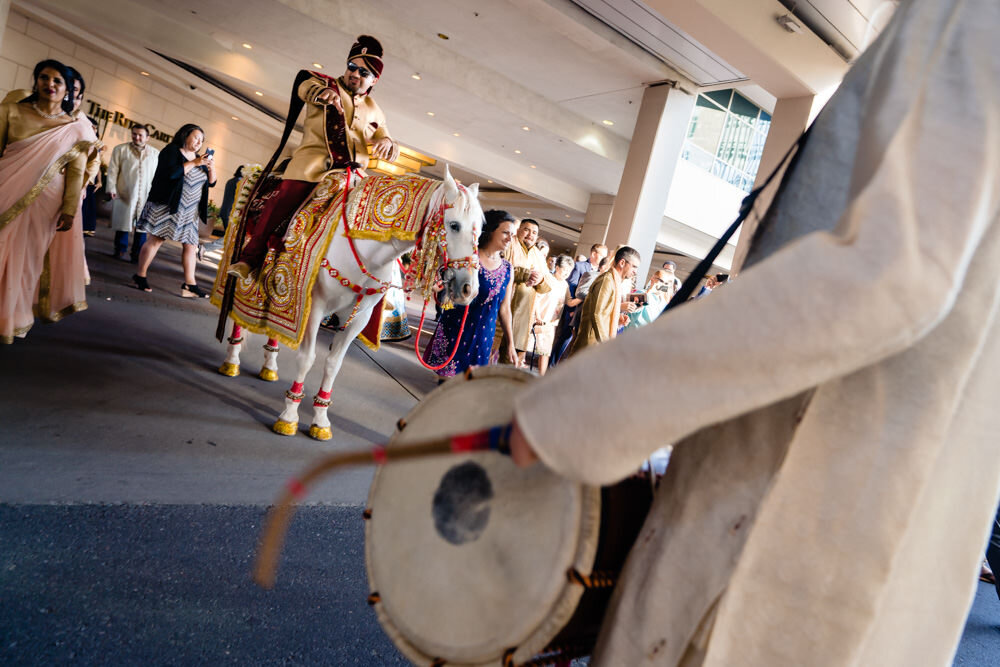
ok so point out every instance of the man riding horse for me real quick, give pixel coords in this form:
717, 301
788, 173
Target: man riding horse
341, 121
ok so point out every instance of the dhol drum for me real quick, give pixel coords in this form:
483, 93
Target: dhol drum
473, 561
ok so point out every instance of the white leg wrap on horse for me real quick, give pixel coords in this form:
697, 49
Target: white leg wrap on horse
288, 420
231, 366
320, 429
269, 372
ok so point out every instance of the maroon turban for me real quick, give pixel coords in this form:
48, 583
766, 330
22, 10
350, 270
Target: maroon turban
370, 51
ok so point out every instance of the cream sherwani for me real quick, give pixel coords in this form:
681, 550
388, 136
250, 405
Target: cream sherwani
837, 511
522, 301
365, 124
130, 175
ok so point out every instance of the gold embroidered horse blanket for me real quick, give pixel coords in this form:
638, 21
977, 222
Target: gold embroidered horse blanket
389, 207
278, 302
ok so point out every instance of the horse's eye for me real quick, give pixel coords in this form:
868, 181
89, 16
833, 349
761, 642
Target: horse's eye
455, 226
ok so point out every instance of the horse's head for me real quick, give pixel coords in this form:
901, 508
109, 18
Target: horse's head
463, 221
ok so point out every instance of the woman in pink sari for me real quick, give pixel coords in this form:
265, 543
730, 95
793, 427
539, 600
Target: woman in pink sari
42, 169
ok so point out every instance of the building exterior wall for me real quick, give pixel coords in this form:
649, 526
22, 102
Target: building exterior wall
119, 89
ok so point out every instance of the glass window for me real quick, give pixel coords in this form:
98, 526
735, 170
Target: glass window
697, 156
706, 126
726, 137
744, 108
720, 97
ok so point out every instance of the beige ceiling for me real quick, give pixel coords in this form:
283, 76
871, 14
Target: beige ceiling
561, 68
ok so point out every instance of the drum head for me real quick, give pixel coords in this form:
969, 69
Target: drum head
468, 553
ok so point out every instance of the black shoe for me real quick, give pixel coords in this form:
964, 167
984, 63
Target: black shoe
141, 283
193, 291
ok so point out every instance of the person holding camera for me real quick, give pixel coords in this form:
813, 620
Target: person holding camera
178, 201
652, 301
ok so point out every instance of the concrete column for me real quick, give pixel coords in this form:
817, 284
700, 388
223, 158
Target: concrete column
790, 119
595, 222
4, 10
649, 170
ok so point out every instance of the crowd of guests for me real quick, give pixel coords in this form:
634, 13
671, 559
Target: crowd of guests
50, 167
534, 309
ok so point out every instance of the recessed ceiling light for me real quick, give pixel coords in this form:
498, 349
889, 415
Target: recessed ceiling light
144, 73
533, 167
517, 151
527, 212
525, 128
234, 117
247, 46
415, 75
609, 123
568, 215
317, 66
258, 93
456, 134
430, 113
488, 180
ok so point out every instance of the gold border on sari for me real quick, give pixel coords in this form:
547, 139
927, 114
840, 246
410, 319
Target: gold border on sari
29, 198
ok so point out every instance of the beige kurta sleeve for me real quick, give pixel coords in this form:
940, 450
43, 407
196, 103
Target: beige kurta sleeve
114, 165
925, 188
310, 89
76, 171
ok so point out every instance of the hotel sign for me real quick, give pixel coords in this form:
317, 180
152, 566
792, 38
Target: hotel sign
118, 118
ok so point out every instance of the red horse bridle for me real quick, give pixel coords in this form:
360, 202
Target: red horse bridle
432, 226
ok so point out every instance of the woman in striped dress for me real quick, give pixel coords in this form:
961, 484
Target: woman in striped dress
177, 203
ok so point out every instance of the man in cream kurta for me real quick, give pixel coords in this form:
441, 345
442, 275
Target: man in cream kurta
531, 277
130, 174
835, 475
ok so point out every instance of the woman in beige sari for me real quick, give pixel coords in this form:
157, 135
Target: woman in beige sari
42, 169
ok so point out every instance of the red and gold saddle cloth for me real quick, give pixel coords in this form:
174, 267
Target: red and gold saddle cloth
389, 207
278, 302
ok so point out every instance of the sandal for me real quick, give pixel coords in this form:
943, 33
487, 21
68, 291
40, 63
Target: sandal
141, 283
192, 291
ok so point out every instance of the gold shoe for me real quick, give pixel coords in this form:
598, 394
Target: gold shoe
320, 432
240, 270
281, 427
229, 369
268, 375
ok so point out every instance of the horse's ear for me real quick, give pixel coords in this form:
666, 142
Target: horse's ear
450, 186
474, 190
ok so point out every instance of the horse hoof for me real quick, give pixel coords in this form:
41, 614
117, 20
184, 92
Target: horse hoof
281, 427
267, 375
229, 370
320, 432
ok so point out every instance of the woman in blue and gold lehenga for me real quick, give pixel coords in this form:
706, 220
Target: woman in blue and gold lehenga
492, 302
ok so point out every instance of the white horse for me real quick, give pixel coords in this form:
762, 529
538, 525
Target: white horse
452, 223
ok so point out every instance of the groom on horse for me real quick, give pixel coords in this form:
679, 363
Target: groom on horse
341, 121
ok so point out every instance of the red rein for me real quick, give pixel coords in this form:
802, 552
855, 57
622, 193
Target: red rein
423, 312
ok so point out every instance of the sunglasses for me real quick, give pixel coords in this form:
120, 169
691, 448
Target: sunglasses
362, 72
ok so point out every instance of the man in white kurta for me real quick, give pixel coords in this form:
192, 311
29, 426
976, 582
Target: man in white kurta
130, 174
835, 472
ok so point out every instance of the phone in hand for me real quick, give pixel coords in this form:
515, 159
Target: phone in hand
210, 151
638, 298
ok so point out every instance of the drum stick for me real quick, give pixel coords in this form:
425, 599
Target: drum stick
278, 517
